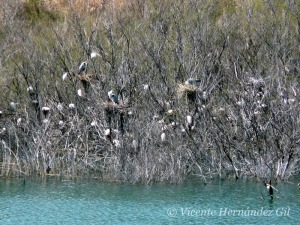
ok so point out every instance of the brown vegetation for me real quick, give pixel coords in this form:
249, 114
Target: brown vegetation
198, 88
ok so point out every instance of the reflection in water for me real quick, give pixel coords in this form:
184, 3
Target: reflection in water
52, 201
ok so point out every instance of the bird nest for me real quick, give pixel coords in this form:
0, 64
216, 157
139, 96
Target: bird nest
186, 89
86, 77
110, 106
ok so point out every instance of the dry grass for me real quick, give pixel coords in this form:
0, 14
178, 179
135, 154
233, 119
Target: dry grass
90, 6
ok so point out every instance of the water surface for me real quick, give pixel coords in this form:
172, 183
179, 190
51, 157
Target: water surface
53, 201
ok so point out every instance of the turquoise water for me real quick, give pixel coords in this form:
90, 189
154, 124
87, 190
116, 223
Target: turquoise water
92, 202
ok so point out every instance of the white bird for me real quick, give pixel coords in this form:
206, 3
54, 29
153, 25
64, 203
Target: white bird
35, 102
45, 121
113, 97
19, 120
94, 55
64, 76
291, 100
13, 106
204, 95
174, 124
61, 123
135, 143
189, 120
146, 87
72, 106
60, 107
116, 143
30, 89
107, 132
79, 92
82, 68
94, 123
241, 103
45, 108
163, 137
170, 111
155, 117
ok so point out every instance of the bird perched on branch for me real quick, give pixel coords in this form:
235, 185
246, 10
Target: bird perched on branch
71, 105
163, 137
113, 97
13, 106
48, 170
298, 186
191, 81
270, 188
45, 110
65, 75
82, 68
94, 55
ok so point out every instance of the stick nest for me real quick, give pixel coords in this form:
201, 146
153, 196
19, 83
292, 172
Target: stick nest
186, 89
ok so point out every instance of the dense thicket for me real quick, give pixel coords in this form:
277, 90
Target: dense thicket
204, 88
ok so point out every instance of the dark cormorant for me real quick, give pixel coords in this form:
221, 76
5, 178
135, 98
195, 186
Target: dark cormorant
48, 170
270, 188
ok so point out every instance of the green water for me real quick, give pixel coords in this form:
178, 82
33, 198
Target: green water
92, 202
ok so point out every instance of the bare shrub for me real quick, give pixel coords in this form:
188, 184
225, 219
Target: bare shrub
199, 89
